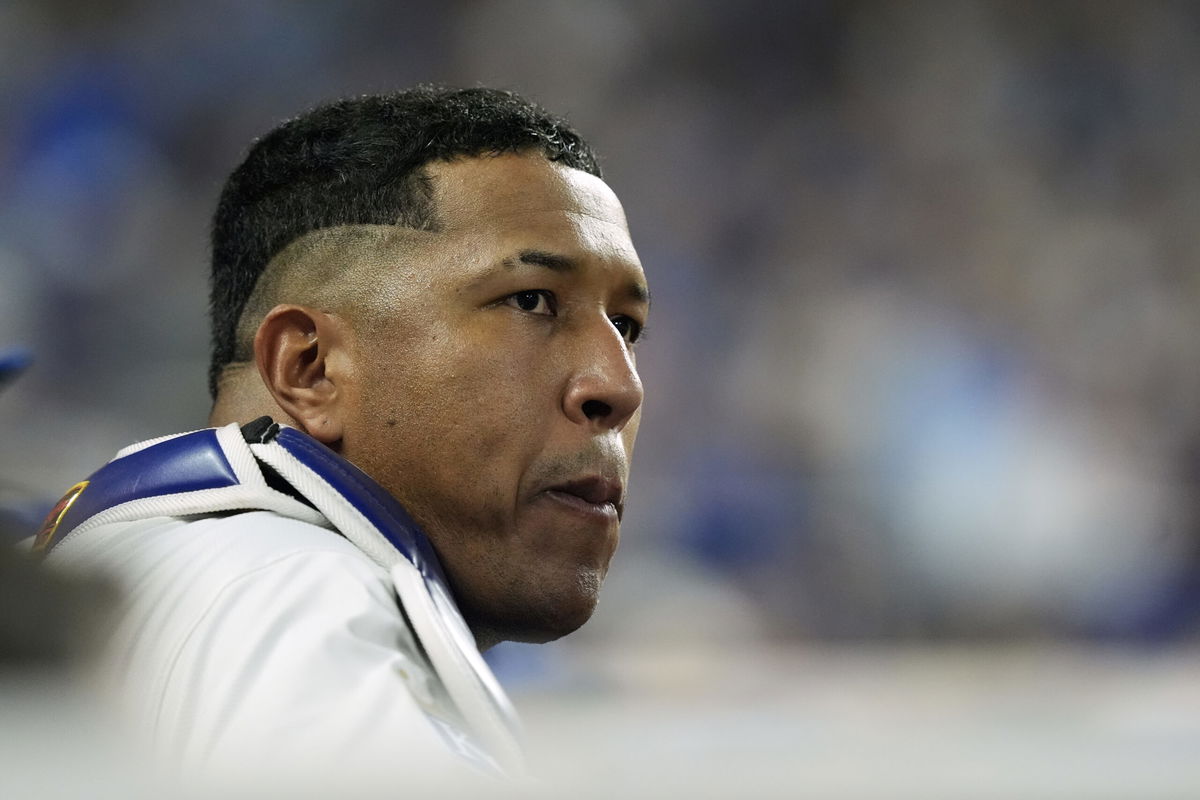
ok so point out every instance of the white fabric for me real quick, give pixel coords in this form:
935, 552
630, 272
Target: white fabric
254, 637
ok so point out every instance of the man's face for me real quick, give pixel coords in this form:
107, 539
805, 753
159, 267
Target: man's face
496, 393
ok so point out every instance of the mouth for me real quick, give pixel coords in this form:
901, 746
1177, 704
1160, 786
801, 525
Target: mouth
592, 496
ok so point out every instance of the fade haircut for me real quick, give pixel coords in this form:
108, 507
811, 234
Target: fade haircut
359, 161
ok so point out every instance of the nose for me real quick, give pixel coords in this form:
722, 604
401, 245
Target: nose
604, 389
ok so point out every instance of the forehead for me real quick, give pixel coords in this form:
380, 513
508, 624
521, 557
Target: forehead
521, 195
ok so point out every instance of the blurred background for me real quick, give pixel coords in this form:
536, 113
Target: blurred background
921, 449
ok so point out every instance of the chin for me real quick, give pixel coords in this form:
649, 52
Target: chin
541, 614
561, 623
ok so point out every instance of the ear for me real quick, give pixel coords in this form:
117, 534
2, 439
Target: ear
303, 360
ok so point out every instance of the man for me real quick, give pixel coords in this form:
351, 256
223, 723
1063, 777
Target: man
437, 286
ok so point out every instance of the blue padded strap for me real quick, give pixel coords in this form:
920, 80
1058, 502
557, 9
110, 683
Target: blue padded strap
187, 463
376, 504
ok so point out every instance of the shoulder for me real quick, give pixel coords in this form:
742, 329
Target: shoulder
177, 575
208, 551
217, 606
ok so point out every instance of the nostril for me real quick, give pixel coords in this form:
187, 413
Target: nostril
596, 409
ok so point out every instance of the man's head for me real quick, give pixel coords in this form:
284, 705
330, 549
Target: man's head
438, 285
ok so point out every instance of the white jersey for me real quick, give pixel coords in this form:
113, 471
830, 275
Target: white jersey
271, 637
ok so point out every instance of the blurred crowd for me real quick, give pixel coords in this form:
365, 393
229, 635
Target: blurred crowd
924, 359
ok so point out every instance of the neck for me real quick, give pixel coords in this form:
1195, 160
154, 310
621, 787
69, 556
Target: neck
242, 396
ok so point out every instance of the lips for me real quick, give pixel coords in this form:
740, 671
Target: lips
593, 495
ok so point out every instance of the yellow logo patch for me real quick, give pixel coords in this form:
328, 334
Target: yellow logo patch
50, 525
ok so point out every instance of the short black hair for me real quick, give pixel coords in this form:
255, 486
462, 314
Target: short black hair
359, 161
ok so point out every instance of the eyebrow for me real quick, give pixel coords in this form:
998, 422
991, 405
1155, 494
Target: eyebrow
540, 258
560, 263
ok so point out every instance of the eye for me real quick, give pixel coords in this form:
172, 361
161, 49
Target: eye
629, 328
534, 301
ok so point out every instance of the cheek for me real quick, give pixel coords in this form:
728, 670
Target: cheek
456, 416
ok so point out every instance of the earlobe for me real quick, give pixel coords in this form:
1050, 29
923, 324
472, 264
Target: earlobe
297, 350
